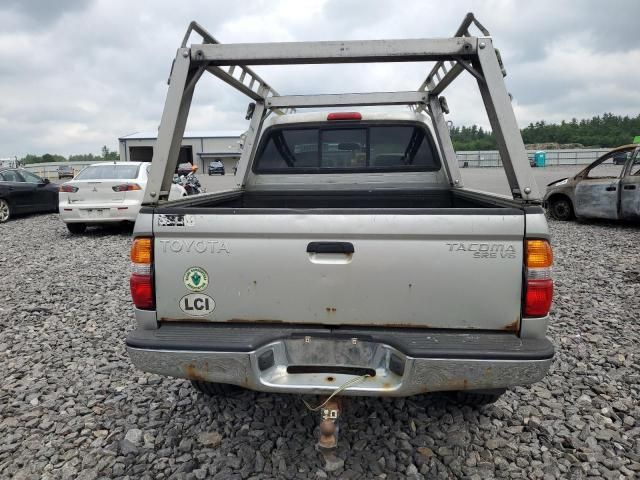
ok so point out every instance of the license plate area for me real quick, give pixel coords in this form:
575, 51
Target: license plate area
318, 364
94, 212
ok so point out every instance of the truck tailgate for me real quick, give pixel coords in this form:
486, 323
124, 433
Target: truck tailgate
454, 270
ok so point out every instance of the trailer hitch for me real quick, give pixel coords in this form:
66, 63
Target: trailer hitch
330, 410
327, 444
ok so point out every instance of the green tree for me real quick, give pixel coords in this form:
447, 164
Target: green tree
607, 131
108, 155
83, 157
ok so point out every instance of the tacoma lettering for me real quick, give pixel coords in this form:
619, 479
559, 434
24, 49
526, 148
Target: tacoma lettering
485, 250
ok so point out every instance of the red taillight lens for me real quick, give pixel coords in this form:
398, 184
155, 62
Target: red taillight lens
538, 298
142, 291
68, 188
126, 187
141, 281
344, 116
539, 285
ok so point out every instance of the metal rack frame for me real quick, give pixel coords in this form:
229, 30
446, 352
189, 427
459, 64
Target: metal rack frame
229, 62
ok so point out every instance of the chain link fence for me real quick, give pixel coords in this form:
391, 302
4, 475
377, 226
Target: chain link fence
491, 158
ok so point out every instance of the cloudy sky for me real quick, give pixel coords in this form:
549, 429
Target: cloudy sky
77, 74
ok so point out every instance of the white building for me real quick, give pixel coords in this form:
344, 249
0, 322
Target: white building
198, 148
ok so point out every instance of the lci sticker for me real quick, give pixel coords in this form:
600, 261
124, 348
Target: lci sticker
197, 304
196, 279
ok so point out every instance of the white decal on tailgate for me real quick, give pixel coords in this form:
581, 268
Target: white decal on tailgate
197, 304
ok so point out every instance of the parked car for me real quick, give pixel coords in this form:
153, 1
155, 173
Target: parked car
106, 193
609, 188
619, 158
24, 192
65, 171
216, 167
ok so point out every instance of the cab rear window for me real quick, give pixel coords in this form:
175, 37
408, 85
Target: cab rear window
357, 148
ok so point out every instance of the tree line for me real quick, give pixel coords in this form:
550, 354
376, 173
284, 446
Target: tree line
604, 131
105, 156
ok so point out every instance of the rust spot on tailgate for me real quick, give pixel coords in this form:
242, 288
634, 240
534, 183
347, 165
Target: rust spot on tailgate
396, 325
254, 320
513, 326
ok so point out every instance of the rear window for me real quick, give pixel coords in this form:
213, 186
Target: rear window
109, 172
347, 148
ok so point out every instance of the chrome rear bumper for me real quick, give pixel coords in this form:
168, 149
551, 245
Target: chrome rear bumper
320, 364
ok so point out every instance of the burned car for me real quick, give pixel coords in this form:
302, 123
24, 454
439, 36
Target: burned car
609, 188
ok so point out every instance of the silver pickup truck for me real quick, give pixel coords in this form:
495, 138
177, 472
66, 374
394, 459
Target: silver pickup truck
350, 258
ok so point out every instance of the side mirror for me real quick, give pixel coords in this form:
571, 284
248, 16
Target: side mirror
46, 181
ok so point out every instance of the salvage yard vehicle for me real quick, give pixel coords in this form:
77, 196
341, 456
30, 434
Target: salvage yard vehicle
349, 259
24, 192
105, 193
65, 171
609, 188
215, 167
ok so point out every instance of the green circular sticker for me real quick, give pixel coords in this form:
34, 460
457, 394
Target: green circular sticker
196, 279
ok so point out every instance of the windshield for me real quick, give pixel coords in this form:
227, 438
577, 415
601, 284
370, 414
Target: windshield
347, 148
109, 172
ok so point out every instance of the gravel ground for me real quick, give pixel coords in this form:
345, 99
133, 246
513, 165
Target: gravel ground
72, 406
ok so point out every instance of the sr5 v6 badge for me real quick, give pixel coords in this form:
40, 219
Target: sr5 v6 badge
197, 304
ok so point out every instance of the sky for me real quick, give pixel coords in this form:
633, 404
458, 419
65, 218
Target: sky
78, 74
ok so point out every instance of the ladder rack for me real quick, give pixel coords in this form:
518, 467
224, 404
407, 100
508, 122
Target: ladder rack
452, 56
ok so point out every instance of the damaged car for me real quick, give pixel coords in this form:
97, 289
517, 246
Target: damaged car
609, 188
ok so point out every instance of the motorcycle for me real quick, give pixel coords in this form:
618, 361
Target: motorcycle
190, 183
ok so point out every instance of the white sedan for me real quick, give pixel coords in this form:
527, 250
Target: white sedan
106, 193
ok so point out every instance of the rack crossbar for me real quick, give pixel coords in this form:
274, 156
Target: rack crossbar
352, 51
347, 99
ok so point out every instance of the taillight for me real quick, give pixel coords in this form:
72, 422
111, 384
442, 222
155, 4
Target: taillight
141, 281
539, 285
126, 187
344, 116
68, 188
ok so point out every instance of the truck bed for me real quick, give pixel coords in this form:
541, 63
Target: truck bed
440, 199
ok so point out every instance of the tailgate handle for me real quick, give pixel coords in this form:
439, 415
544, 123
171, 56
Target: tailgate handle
330, 247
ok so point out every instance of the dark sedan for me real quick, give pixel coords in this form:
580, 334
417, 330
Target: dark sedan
66, 171
216, 167
24, 192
